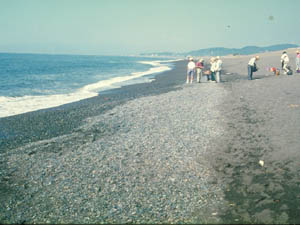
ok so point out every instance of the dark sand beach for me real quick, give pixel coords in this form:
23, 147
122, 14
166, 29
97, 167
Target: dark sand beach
160, 152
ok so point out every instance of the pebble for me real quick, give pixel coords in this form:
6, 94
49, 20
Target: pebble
261, 162
149, 159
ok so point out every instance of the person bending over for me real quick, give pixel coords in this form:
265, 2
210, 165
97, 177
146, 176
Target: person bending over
252, 67
284, 62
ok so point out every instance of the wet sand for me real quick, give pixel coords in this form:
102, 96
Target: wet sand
262, 124
161, 152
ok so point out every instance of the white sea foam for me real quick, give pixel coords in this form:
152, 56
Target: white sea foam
10, 106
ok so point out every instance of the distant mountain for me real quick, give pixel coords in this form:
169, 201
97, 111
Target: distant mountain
248, 50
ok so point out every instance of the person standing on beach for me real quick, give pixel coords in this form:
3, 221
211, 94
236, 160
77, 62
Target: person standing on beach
190, 70
199, 69
298, 61
252, 67
284, 62
218, 69
213, 69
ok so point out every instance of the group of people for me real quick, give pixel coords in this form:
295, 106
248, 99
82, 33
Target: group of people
284, 59
213, 75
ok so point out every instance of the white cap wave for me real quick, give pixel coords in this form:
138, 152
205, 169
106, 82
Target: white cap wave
16, 105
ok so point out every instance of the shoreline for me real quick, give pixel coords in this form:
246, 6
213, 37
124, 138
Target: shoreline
104, 101
11, 106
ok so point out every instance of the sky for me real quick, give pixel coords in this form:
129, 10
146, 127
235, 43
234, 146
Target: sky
128, 27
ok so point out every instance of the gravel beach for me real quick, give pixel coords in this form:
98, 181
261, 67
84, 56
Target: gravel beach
161, 152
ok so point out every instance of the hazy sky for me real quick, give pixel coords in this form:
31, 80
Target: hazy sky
121, 27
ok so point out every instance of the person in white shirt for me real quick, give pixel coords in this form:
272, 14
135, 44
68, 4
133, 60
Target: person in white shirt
212, 69
252, 66
218, 68
298, 61
190, 70
284, 62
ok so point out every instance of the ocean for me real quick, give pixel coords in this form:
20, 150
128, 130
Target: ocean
30, 82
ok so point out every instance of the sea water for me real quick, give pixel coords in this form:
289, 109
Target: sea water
29, 82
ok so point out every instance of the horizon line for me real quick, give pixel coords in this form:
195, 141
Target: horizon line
138, 54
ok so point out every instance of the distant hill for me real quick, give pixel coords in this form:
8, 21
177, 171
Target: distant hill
248, 50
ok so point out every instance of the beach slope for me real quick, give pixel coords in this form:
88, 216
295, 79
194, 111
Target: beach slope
162, 152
